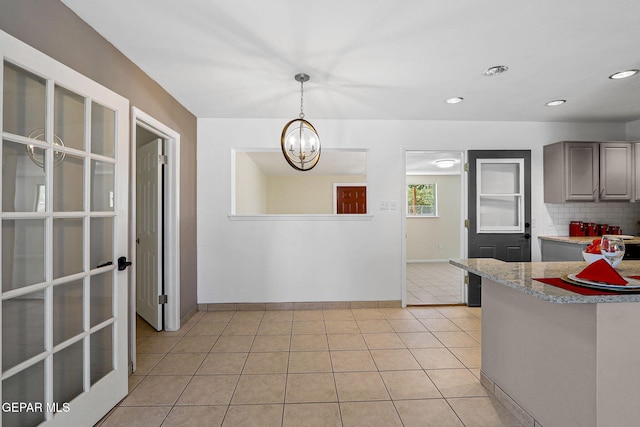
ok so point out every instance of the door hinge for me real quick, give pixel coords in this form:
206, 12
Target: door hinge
162, 299
466, 279
466, 223
162, 159
466, 167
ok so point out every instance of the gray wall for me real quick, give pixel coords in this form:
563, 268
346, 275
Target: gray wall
52, 28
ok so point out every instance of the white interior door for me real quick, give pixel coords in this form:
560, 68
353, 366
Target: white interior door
64, 225
149, 277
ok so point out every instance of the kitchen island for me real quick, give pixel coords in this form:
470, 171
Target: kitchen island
555, 357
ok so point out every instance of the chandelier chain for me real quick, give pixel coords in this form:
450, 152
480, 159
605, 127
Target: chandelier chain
301, 99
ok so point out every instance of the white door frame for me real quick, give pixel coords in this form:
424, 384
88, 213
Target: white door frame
403, 216
171, 224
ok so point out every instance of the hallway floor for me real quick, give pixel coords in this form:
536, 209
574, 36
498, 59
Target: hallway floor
433, 283
342, 367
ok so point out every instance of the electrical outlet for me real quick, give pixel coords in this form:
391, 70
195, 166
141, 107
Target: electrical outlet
440, 245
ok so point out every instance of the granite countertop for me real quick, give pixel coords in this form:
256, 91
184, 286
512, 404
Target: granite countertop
520, 276
582, 240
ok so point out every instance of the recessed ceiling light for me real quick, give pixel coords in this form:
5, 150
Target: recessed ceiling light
494, 71
623, 74
445, 163
555, 102
455, 100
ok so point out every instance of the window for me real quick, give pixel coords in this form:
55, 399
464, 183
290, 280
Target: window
422, 200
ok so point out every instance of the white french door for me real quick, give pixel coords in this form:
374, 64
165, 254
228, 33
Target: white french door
64, 220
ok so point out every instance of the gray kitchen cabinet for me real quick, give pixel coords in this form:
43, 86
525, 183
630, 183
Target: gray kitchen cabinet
616, 171
582, 171
637, 172
571, 172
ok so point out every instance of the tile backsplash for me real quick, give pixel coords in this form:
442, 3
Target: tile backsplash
559, 215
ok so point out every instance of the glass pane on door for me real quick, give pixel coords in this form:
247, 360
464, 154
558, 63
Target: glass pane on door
68, 190
68, 373
101, 251
22, 329
23, 180
103, 130
67, 310
23, 253
68, 247
101, 353
69, 118
499, 213
25, 386
23, 101
500, 178
102, 182
101, 295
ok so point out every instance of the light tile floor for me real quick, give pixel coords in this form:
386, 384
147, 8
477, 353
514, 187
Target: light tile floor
353, 367
433, 283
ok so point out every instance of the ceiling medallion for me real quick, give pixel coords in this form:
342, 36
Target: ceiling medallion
300, 142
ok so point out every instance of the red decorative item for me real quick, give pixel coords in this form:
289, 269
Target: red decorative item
602, 229
576, 228
601, 271
590, 229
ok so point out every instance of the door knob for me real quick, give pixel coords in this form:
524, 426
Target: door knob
123, 263
526, 236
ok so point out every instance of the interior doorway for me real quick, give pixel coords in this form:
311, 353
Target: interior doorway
434, 212
157, 264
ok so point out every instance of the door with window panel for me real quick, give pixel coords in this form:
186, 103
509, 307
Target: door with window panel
499, 203
64, 224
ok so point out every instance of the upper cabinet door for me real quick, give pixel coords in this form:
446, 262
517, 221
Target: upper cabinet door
571, 171
616, 171
581, 171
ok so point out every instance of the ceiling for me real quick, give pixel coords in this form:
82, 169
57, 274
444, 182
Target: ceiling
388, 59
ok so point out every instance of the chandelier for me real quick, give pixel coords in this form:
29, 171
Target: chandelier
300, 142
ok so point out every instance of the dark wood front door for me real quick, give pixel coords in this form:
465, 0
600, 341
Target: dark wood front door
351, 199
499, 208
